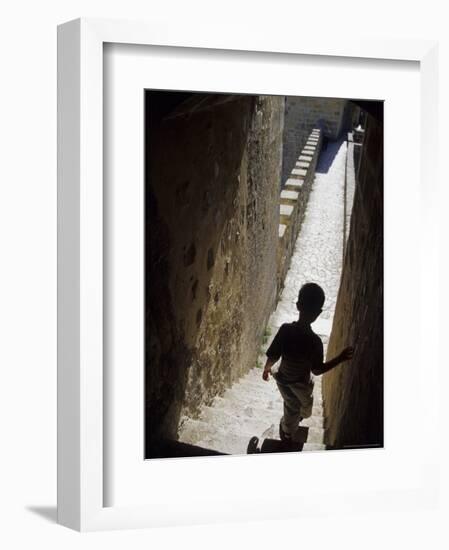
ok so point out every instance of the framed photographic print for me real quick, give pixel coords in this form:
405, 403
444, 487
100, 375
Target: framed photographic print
238, 245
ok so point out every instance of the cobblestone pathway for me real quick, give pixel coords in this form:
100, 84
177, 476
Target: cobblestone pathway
254, 407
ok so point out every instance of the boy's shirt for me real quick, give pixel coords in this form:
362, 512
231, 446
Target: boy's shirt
301, 350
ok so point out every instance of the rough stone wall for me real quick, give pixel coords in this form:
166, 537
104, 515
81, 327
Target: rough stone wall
212, 215
353, 392
302, 114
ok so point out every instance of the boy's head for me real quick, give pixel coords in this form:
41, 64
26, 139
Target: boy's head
310, 301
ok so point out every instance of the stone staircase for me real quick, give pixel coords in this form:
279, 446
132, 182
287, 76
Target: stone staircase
253, 407
301, 176
250, 407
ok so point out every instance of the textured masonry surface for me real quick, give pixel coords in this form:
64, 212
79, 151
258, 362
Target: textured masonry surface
304, 113
212, 195
354, 392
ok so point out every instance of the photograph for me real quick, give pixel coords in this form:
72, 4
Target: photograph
225, 247
263, 274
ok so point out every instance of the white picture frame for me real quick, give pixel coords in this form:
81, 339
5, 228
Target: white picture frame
81, 487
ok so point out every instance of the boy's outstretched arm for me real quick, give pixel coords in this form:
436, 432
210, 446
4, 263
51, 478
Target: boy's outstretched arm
346, 354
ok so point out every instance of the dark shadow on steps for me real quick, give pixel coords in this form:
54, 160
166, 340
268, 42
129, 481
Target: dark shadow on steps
269, 445
176, 449
328, 155
278, 446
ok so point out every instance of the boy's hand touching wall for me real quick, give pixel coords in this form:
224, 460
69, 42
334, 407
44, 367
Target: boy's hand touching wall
346, 354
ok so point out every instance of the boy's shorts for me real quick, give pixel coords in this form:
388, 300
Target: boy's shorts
298, 399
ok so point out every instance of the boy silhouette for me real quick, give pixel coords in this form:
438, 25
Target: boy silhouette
301, 351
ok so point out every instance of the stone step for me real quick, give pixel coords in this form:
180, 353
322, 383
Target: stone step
313, 422
194, 430
244, 397
255, 374
302, 164
314, 447
233, 421
315, 435
260, 388
220, 432
254, 390
289, 195
257, 400
300, 172
282, 228
268, 391
294, 183
317, 396
238, 445
288, 202
258, 407
220, 438
191, 431
235, 444
305, 158
285, 210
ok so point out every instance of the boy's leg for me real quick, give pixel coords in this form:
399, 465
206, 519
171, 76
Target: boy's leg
292, 412
304, 396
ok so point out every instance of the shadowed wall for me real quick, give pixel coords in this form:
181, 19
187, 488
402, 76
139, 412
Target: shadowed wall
353, 392
212, 188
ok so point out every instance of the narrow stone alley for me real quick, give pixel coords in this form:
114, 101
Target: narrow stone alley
252, 407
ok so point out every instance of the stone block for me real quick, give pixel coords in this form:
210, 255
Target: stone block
299, 172
305, 158
294, 182
286, 209
282, 228
302, 164
314, 447
289, 195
